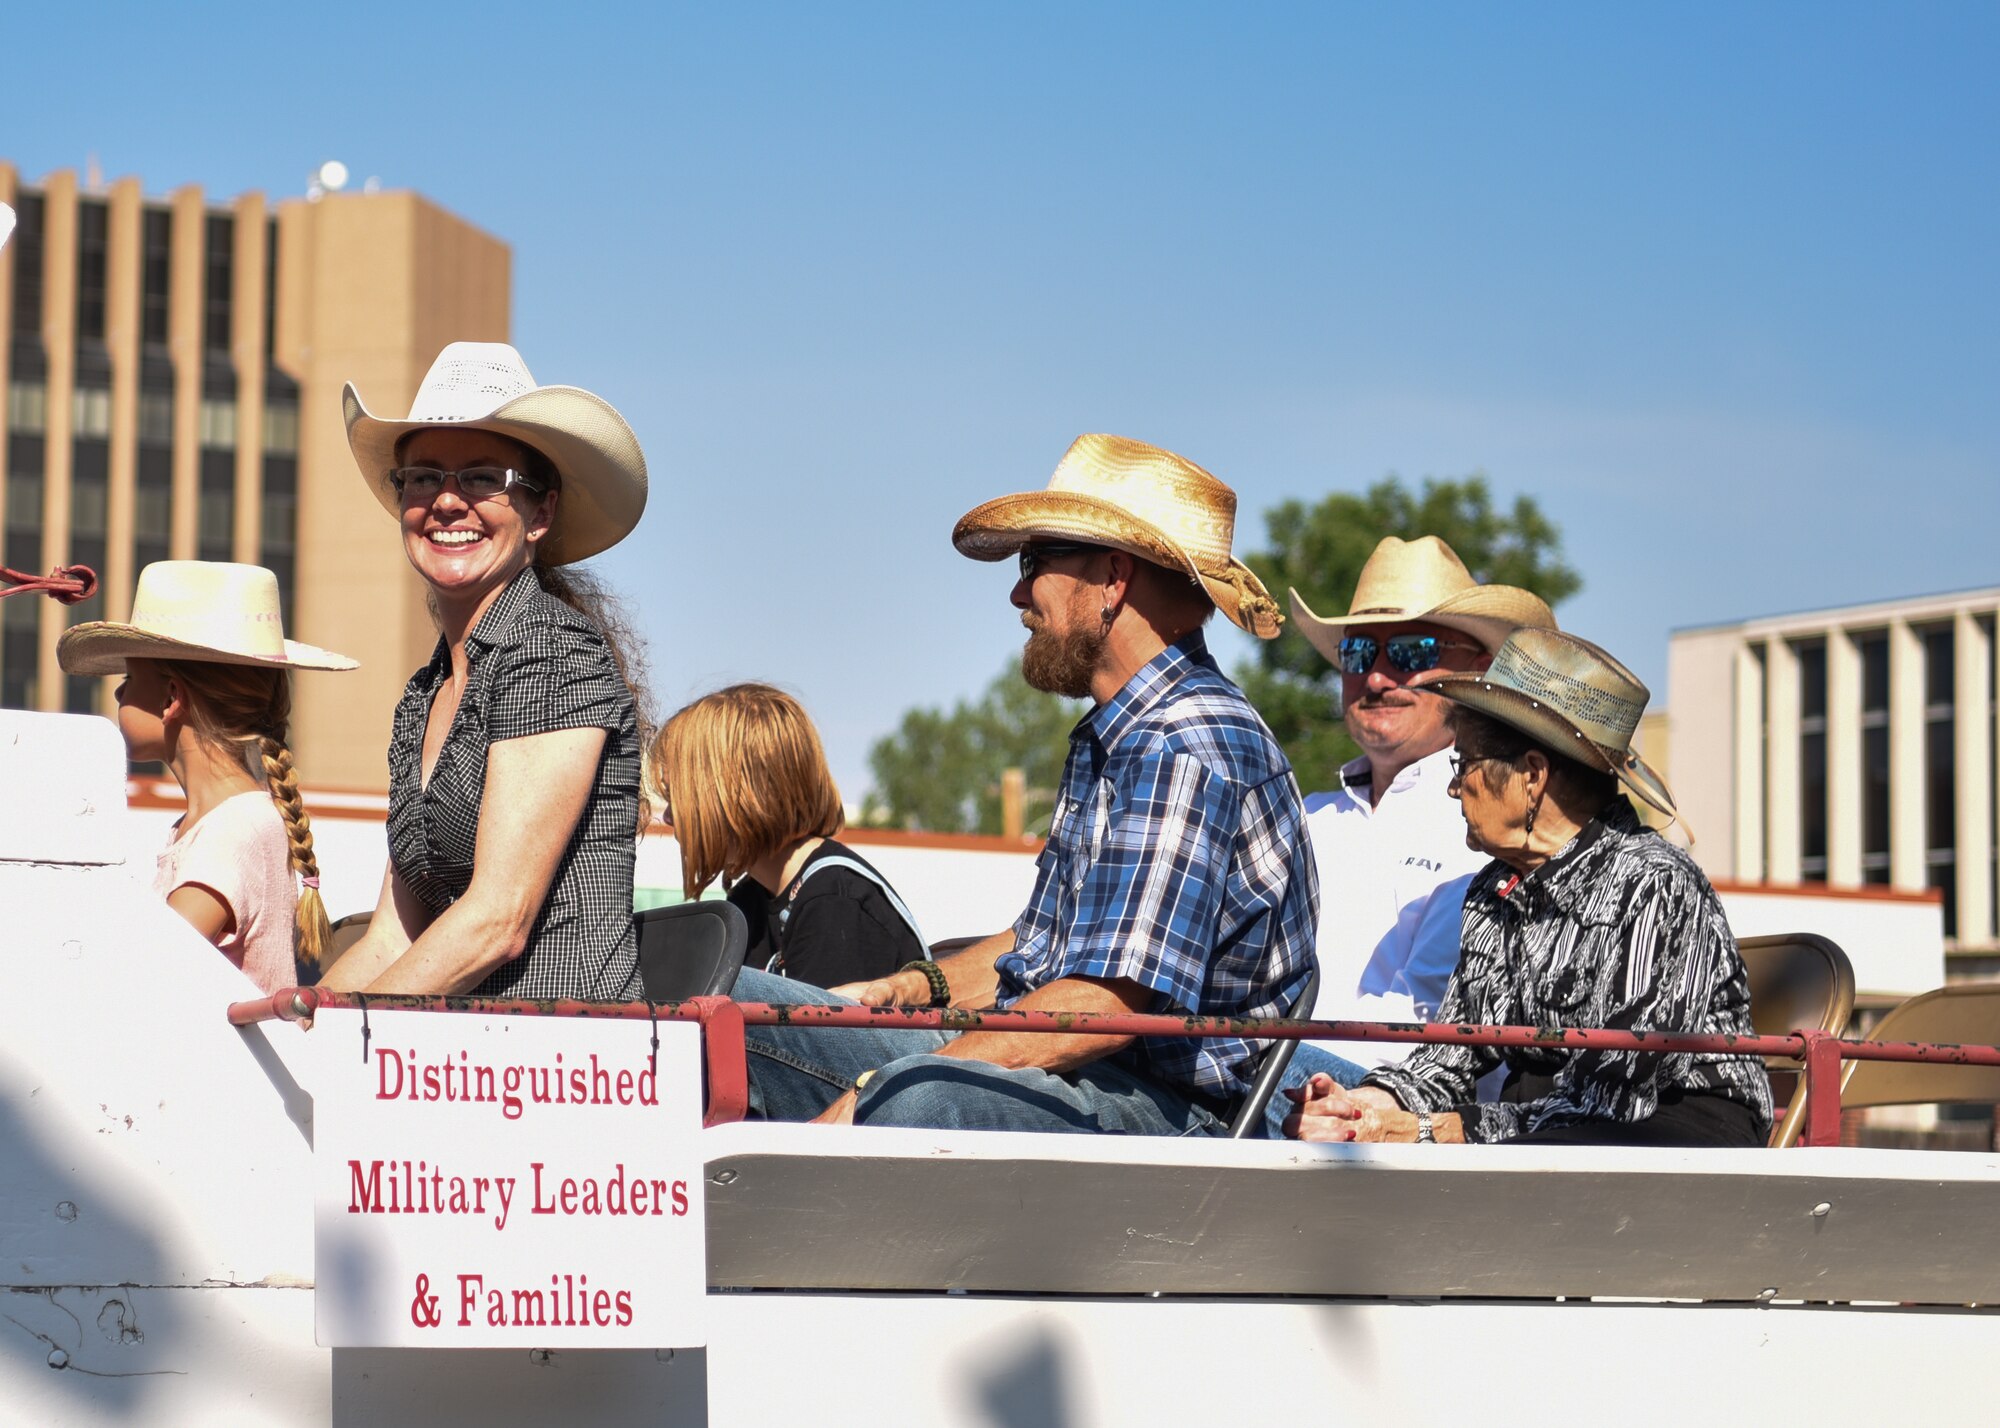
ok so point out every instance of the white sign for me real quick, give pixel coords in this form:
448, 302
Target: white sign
6, 223
485, 1181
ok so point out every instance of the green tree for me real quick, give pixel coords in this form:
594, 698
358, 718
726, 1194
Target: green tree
940, 771
1319, 550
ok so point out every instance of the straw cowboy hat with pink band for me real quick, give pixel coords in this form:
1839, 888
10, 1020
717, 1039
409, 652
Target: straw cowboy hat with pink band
486, 386
199, 611
1146, 501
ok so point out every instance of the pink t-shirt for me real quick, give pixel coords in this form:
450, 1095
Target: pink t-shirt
240, 853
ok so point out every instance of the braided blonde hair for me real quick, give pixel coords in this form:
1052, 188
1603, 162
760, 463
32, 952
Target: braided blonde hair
250, 709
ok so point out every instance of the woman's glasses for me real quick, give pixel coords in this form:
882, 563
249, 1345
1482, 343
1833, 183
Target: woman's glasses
1412, 654
475, 483
1033, 557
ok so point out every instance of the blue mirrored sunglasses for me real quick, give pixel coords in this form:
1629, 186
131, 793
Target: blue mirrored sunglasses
1412, 654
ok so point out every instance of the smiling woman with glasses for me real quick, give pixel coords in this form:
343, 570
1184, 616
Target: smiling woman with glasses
514, 792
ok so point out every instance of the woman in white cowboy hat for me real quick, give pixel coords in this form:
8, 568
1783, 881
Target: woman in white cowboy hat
514, 760
207, 691
1586, 918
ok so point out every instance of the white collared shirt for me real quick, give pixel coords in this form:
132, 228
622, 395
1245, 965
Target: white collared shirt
1392, 882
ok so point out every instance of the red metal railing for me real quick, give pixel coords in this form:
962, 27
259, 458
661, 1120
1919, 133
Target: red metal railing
722, 1022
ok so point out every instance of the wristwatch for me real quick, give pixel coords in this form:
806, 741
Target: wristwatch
1424, 1133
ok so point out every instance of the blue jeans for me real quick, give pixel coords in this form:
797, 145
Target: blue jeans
1307, 1060
795, 1073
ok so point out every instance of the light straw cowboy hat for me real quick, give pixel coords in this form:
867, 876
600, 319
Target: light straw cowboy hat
485, 386
1569, 696
1116, 492
1423, 579
202, 611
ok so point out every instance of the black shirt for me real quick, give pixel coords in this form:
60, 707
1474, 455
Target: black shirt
841, 927
536, 666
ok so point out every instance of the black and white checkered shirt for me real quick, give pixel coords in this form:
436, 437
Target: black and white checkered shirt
536, 666
1620, 929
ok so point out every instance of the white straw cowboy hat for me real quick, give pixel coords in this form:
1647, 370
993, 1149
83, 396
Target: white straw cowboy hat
487, 387
1569, 696
202, 611
1116, 492
1423, 579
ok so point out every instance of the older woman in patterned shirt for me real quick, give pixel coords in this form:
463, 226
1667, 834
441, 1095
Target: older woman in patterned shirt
1586, 918
514, 763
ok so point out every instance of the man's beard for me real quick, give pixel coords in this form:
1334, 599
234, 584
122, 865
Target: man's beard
1063, 664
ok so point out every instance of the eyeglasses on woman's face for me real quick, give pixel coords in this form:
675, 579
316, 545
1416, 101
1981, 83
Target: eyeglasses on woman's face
1411, 654
1462, 763
1034, 557
420, 485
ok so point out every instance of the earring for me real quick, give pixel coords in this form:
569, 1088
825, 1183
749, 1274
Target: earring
1531, 816
1107, 614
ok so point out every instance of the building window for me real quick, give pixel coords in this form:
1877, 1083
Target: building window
92, 238
27, 407
1874, 651
218, 424
20, 617
91, 412
1940, 754
215, 517
29, 210
1812, 760
218, 281
281, 429
156, 275
89, 511
156, 419
24, 509
270, 289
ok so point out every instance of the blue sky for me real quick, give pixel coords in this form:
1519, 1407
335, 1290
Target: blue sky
1716, 284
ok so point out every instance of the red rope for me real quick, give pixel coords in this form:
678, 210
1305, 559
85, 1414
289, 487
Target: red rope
71, 584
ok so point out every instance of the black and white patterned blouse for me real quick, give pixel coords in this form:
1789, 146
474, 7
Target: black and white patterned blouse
536, 666
1620, 930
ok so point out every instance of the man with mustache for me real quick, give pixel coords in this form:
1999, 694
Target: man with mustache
1390, 842
1176, 877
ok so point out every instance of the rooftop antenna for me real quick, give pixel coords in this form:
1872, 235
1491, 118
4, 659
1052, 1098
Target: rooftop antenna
329, 177
6, 223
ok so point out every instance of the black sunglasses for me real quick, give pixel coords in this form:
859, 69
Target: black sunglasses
1412, 654
1034, 556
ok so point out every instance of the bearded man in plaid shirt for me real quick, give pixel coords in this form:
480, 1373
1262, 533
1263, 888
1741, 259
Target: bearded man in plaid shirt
1177, 875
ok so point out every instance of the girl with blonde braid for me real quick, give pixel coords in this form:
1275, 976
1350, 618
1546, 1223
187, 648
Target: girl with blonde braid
207, 691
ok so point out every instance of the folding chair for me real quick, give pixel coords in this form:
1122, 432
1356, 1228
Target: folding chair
1798, 982
1966, 1013
1272, 1064
691, 949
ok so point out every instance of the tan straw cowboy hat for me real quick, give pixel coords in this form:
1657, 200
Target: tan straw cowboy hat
1113, 491
1423, 579
203, 611
487, 387
1569, 696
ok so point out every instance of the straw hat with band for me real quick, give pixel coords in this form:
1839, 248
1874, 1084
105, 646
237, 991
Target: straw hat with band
1423, 579
1569, 696
485, 386
201, 611
1140, 499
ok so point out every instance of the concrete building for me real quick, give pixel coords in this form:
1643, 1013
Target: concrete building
1849, 747
173, 372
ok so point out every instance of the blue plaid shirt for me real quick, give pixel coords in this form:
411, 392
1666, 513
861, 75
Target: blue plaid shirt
1178, 859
